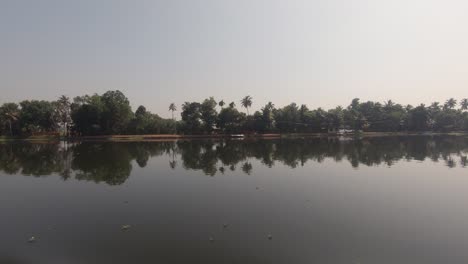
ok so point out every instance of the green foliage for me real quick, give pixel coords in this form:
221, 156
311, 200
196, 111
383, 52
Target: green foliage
9, 115
36, 116
146, 122
117, 112
110, 113
87, 114
208, 114
230, 120
247, 102
191, 118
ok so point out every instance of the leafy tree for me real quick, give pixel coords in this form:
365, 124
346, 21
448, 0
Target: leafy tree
141, 111
335, 118
268, 117
221, 103
117, 112
287, 119
63, 113
230, 120
9, 114
208, 114
191, 117
86, 114
37, 116
418, 118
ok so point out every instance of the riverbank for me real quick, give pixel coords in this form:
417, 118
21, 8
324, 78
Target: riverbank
172, 137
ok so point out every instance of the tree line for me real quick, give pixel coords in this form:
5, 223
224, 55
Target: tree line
111, 113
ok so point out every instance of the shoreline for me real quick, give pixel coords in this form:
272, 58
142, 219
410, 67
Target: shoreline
175, 137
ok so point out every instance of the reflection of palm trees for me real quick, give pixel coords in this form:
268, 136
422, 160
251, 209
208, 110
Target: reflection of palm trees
247, 168
112, 162
463, 161
173, 162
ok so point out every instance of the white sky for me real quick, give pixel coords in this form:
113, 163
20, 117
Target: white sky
322, 53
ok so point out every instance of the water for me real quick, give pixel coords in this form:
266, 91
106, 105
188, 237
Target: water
375, 200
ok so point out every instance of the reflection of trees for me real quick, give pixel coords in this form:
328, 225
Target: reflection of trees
99, 162
112, 162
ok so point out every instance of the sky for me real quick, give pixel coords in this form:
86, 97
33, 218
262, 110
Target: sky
317, 52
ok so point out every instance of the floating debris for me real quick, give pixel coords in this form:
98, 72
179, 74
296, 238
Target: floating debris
270, 237
257, 188
32, 239
125, 202
125, 227
211, 239
225, 225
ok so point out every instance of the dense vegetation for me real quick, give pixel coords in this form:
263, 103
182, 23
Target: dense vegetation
110, 113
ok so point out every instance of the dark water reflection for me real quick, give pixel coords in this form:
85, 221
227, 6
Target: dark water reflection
112, 162
375, 200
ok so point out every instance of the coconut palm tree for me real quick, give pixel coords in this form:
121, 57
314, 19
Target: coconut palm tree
172, 108
464, 104
435, 105
246, 102
450, 103
389, 104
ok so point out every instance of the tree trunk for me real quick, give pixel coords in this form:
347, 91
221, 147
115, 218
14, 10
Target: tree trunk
11, 130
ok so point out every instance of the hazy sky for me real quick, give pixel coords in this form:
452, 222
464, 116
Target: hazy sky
322, 53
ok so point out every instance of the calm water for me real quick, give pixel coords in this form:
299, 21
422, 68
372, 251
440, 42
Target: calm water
376, 200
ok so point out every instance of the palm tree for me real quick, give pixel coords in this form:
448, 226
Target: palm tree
450, 103
464, 104
172, 107
221, 104
435, 106
232, 105
389, 104
246, 102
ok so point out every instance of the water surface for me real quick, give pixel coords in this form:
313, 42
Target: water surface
375, 200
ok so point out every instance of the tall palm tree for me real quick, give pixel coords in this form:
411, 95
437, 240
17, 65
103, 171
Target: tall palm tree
172, 108
464, 104
221, 103
246, 102
450, 103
